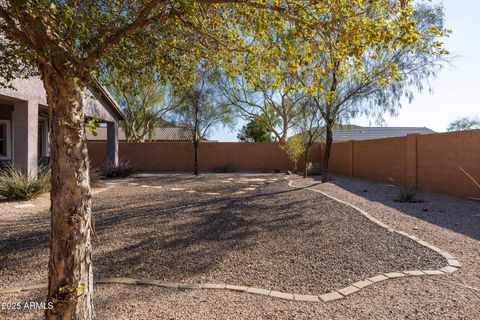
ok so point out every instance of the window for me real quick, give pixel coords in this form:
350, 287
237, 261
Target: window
5, 143
43, 148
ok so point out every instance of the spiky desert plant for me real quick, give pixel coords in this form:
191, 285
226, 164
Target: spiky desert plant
16, 185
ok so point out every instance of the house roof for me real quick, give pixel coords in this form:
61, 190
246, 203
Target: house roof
173, 133
352, 132
108, 97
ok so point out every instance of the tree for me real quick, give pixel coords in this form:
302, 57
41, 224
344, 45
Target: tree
254, 131
200, 108
294, 148
374, 83
464, 123
144, 99
311, 126
65, 42
273, 106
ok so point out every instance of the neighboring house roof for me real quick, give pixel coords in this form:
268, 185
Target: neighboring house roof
352, 132
174, 133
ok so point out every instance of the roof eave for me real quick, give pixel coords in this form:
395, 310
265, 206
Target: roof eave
110, 99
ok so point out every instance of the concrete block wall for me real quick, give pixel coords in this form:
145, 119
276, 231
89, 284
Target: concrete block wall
432, 162
341, 157
178, 156
440, 157
380, 160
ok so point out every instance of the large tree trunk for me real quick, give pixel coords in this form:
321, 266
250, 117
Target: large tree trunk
70, 279
326, 154
195, 164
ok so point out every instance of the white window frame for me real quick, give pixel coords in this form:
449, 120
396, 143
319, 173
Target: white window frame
8, 139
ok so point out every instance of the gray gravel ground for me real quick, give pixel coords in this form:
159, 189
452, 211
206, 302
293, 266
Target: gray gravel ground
274, 237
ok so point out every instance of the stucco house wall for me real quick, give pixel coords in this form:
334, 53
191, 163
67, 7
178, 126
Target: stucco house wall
22, 107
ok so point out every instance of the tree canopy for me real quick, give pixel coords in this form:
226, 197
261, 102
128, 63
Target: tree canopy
254, 131
145, 100
171, 35
465, 123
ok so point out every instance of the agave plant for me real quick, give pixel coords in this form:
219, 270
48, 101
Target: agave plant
121, 170
16, 185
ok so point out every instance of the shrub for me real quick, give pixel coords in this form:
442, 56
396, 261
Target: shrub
122, 170
294, 148
407, 194
16, 185
224, 169
314, 169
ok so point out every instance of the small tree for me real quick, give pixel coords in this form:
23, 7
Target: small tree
373, 83
272, 106
254, 131
294, 148
145, 100
464, 123
311, 126
200, 108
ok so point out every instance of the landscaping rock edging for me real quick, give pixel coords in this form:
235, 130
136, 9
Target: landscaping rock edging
452, 263
452, 266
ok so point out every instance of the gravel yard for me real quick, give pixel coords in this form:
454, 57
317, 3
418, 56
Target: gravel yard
255, 230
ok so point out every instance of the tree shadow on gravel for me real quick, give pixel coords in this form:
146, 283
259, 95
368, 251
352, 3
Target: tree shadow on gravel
277, 237
195, 235
274, 237
455, 214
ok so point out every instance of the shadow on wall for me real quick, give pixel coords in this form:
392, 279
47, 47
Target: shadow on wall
455, 214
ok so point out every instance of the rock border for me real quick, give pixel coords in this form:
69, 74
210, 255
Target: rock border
452, 265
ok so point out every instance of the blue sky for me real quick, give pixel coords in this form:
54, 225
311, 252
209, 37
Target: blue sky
456, 90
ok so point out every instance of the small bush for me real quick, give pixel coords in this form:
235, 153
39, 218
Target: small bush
407, 194
16, 185
294, 148
314, 169
224, 169
122, 170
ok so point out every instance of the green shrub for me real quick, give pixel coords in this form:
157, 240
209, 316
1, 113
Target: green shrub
122, 170
16, 185
224, 169
294, 148
314, 169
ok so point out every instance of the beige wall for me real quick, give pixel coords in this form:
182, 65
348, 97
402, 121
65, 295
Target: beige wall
380, 160
439, 157
341, 157
430, 161
32, 89
178, 156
